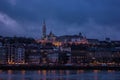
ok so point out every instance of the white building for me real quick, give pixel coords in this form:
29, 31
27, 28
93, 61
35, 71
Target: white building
15, 53
68, 49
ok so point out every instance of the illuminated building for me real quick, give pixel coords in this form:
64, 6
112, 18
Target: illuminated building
57, 43
64, 57
53, 57
73, 39
60, 40
116, 55
100, 55
51, 37
19, 55
33, 54
15, 53
10, 53
79, 54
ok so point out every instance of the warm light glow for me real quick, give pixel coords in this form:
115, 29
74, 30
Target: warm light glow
39, 72
10, 62
23, 72
57, 44
10, 72
95, 71
0, 71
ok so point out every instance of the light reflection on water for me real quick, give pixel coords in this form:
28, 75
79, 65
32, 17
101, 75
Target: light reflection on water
60, 75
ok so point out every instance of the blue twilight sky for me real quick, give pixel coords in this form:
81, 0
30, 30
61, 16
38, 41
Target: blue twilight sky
94, 18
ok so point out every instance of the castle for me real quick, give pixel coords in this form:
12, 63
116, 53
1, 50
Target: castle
59, 40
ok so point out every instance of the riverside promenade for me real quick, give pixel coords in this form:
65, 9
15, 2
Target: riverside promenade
37, 67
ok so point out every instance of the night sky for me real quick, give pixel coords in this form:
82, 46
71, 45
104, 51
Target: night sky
94, 18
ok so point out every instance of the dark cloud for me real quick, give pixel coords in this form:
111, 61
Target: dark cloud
65, 16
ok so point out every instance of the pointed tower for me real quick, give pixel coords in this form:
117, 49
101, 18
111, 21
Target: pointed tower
44, 30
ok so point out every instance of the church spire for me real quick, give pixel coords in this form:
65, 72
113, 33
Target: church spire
44, 30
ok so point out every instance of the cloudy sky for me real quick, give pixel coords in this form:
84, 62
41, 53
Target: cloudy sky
94, 18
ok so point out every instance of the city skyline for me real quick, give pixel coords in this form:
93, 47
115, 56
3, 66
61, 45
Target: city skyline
95, 19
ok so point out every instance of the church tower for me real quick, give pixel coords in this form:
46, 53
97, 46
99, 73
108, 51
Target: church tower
44, 30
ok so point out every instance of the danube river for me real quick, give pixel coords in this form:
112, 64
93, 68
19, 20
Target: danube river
60, 75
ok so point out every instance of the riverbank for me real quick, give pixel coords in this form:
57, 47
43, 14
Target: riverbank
36, 67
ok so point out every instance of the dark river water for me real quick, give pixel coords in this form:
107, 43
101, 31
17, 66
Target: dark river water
59, 75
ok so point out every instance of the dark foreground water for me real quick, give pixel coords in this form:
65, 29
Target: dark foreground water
59, 75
